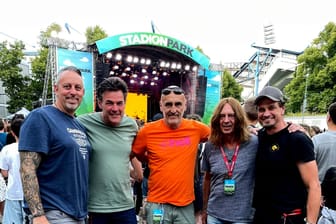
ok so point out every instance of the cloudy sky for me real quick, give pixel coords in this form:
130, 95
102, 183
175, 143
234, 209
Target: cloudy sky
225, 30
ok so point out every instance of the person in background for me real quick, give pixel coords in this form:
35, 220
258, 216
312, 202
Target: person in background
198, 182
10, 138
170, 147
111, 134
54, 156
315, 130
328, 186
307, 128
10, 168
287, 189
2, 194
251, 112
229, 165
3, 137
3, 133
325, 144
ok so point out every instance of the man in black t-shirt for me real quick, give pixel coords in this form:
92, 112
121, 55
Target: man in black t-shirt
287, 188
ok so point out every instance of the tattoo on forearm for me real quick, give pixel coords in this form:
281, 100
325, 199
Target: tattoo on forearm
29, 164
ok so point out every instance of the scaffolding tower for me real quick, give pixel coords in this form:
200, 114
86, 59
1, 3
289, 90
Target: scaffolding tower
50, 71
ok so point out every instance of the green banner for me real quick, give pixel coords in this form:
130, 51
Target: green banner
129, 39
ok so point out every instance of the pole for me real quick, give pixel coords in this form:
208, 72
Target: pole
304, 104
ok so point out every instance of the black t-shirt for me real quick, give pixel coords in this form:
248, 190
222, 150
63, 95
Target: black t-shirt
279, 186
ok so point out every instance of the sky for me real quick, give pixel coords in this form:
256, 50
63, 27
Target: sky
225, 30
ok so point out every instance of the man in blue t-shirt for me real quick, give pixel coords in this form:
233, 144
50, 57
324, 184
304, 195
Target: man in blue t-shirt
54, 153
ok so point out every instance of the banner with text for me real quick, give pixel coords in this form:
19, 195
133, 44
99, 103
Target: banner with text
84, 62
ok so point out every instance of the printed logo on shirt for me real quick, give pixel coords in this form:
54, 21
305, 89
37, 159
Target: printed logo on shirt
176, 142
81, 139
275, 147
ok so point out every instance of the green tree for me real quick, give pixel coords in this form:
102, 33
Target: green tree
230, 87
23, 91
93, 34
39, 63
45, 35
16, 85
316, 73
38, 74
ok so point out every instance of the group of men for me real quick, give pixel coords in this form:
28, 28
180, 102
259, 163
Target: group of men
78, 167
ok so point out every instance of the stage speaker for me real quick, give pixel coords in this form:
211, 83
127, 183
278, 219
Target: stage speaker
200, 95
102, 71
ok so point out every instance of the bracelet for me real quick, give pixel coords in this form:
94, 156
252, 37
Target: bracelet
39, 214
306, 221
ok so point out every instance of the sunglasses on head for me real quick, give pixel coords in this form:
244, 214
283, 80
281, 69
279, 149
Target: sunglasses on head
175, 89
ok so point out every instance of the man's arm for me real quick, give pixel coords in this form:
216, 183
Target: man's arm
137, 166
309, 175
4, 173
141, 158
29, 162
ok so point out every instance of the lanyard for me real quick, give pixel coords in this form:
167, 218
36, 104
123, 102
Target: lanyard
234, 159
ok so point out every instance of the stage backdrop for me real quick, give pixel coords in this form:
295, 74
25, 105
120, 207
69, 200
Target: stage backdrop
212, 94
84, 62
136, 106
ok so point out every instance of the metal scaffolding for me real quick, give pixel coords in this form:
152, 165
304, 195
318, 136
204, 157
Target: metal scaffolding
50, 71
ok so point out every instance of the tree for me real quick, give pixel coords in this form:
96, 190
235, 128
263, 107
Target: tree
315, 77
93, 34
49, 32
38, 74
16, 85
39, 64
230, 88
21, 90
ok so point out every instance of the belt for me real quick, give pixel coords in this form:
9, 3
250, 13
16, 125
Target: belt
291, 213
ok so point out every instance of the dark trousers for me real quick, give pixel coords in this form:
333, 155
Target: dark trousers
139, 196
127, 216
271, 217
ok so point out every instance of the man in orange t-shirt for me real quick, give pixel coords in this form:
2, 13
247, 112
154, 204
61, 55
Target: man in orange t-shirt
170, 147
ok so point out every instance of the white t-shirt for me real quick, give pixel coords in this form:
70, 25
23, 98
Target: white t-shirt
10, 161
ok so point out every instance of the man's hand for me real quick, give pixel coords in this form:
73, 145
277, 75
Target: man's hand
296, 127
40, 220
253, 130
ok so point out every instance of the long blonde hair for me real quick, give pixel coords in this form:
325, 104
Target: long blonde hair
241, 133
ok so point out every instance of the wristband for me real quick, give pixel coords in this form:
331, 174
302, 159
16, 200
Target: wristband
38, 215
306, 221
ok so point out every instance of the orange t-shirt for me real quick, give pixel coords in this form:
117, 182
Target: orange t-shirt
171, 159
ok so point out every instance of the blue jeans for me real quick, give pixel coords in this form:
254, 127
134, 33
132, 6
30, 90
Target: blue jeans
213, 220
127, 216
144, 186
13, 212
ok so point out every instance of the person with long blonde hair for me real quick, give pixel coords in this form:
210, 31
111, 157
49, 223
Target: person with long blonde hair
229, 165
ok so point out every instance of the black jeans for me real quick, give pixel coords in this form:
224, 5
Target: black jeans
271, 217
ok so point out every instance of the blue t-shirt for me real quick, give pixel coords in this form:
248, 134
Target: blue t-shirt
63, 171
3, 137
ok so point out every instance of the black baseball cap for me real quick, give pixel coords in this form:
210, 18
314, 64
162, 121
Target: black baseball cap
272, 93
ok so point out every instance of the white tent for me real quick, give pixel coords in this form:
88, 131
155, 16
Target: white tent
23, 111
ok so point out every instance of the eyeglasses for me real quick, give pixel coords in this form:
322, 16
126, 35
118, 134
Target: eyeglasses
175, 89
